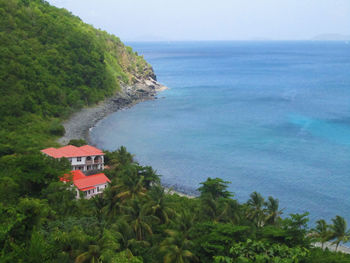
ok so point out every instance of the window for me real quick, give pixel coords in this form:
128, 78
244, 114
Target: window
98, 188
88, 191
78, 159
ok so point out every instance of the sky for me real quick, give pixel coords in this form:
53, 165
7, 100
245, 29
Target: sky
137, 20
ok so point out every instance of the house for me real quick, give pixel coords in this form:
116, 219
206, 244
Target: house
85, 158
90, 185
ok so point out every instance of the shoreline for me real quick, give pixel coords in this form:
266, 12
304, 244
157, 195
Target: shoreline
79, 124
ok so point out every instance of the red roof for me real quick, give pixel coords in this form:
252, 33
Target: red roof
83, 182
72, 151
91, 181
75, 175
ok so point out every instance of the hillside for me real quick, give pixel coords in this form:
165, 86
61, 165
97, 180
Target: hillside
51, 64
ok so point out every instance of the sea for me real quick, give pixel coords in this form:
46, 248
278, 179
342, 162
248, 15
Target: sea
271, 117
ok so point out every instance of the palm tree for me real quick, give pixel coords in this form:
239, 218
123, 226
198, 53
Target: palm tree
123, 156
129, 184
229, 211
120, 158
158, 204
176, 248
112, 204
210, 208
273, 212
140, 219
184, 222
216, 187
125, 235
322, 232
150, 176
99, 203
256, 211
92, 255
339, 231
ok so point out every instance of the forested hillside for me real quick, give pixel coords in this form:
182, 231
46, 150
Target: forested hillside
51, 64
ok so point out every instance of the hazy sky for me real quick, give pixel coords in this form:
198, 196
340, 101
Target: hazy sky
213, 20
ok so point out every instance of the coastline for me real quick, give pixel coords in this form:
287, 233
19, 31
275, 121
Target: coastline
80, 123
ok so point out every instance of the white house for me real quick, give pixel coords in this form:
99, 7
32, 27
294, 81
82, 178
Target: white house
90, 185
84, 158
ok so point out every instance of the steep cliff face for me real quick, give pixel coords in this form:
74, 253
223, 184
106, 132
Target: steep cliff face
51, 64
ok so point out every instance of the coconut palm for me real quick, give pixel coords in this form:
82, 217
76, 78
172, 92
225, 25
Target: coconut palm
129, 184
126, 237
184, 221
229, 211
90, 256
123, 156
256, 209
158, 204
112, 204
176, 248
339, 231
322, 232
210, 208
119, 159
150, 176
99, 203
272, 210
139, 217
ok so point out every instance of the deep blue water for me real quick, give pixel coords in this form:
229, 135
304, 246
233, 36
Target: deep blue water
272, 117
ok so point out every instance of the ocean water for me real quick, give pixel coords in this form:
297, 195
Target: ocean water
272, 117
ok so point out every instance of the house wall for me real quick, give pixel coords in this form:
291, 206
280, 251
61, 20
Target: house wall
85, 164
90, 193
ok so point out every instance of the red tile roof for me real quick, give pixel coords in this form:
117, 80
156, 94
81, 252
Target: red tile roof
72, 151
75, 175
90, 181
83, 182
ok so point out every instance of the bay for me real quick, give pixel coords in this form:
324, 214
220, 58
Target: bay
272, 117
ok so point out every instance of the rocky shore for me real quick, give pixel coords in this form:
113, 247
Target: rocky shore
79, 124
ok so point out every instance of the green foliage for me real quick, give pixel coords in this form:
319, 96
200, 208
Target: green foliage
77, 142
262, 252
56, 128
216, 187
318, 255
339, 231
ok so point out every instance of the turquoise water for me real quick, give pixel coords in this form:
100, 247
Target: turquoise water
272, 117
